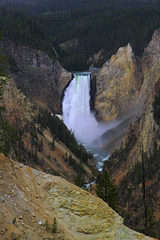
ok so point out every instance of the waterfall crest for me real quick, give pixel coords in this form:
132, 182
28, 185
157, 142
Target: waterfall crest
76, 110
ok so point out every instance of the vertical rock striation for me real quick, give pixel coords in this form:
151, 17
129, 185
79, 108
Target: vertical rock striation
118, 85
142, 136
37, 75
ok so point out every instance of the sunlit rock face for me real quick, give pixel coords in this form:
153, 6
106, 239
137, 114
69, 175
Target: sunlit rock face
118, 84
30, 197
145, 131
145, 128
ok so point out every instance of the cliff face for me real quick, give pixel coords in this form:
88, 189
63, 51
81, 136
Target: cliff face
38, 76
121, 76
118, 84
142, 136
125, 82
28, 198
151, 64
19, 109
35, 144
145, 128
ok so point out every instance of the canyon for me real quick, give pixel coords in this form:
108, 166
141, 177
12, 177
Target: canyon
123, 89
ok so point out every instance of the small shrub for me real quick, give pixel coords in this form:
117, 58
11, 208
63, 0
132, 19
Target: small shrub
14, 221
47, 225
54, 227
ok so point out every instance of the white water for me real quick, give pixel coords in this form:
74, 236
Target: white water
79, 119
76, 110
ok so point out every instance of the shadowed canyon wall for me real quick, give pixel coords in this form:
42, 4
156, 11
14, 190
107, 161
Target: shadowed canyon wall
38, 76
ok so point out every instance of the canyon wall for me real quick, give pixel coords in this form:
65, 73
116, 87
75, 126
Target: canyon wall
141, 141
118, 85
38, 76
145, 128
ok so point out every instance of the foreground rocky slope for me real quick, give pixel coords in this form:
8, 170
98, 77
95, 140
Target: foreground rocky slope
28, 198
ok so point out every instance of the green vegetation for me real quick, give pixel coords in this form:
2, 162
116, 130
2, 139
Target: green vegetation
107, 190
122, 153
47, 225
14, 221
97, 25
54, 227
139, 188
12, 141
3, 72
141, 181
156, 107
3, 62
25, 30
8, 136
60, 132
79, 181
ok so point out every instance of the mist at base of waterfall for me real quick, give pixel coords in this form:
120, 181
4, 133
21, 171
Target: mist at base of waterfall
79, 119
76, 111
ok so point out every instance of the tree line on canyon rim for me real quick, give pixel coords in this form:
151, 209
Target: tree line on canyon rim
107, 25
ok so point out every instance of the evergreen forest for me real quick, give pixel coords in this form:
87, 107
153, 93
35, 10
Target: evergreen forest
91, 25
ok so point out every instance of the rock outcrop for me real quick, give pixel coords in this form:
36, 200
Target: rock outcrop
96, 58
29, 198
118, 85
18, 108
70, 44
37, 75
142, 136
145, 128
151, 64
125, 82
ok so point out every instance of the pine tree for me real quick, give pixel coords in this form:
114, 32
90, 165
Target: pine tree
107, 191
3, 60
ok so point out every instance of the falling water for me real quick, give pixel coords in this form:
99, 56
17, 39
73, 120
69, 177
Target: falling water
76, 110
78, 117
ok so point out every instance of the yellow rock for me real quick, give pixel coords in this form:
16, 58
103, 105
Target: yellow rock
79, 214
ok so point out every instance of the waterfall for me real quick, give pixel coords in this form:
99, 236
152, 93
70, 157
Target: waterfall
76, 110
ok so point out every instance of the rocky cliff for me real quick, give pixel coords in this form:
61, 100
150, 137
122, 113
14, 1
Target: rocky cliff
130, 87
124, 82
145, 128
118, 85
29, 198
37, 75
141, 137
39, 139
19, 108
151, 64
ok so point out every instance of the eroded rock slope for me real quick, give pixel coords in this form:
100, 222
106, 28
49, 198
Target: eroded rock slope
28, 198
